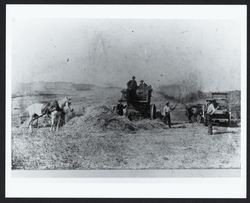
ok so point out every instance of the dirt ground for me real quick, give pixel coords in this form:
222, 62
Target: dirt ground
183, 146
96, 138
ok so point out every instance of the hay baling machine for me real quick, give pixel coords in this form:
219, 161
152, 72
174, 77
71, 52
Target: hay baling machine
140, 107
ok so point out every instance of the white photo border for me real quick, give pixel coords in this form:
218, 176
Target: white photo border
177, 186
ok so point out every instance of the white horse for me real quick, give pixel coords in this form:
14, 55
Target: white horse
34, 112
38, 110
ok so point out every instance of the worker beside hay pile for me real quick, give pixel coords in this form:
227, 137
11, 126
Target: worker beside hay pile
166, 114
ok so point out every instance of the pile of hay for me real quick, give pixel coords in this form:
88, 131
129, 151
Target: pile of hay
102, 118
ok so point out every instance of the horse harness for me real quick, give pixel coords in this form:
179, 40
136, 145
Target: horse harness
48, 108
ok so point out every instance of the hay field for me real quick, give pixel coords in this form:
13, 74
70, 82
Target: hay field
96, 138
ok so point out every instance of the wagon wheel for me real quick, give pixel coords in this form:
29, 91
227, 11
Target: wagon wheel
152, 111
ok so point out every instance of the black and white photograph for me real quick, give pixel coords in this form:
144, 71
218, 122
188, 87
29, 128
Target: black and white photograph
126, 95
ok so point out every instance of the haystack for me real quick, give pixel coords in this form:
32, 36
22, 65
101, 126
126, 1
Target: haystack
102, 118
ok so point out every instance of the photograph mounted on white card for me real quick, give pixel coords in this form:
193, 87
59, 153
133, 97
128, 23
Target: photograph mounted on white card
150, 95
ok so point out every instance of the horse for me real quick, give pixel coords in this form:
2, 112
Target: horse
53, 109
58, 113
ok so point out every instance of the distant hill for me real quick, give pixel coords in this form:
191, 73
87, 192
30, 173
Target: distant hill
82, 87
48, 88
176, 92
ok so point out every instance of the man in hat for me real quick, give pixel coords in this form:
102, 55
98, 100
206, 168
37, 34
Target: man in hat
210, 111
166, 113
119, 108
131, 89
142, 84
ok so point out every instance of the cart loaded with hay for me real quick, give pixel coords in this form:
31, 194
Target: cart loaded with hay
140, 106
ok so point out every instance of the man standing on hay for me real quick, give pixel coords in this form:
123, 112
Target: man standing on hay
166, 114
142, 84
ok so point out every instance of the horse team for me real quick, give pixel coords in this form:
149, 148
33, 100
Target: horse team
55, 110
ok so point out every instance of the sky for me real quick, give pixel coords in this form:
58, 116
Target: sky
105, 52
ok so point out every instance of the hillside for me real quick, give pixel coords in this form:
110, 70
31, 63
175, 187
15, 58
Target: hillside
49, 88
177, 92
